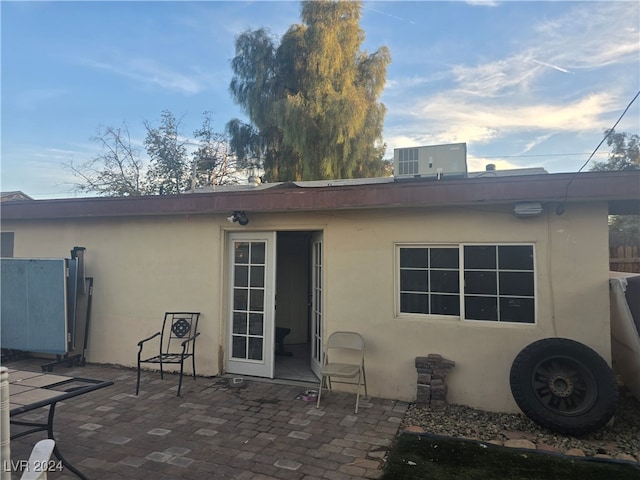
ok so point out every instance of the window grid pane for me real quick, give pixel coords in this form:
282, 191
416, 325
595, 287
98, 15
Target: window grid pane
498, 282
429, 280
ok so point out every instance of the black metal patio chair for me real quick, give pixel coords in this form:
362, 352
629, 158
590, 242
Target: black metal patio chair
177, 343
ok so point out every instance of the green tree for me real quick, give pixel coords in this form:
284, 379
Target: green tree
625, 152
212, 162
168, 172
312, 100
119, 170
116, 171
624, 155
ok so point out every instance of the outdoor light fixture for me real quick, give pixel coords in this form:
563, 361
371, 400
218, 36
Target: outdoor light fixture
527, 209
238, 217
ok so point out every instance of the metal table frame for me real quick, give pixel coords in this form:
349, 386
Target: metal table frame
80, 386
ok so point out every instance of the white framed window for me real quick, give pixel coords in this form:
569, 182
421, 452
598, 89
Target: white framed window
475, 282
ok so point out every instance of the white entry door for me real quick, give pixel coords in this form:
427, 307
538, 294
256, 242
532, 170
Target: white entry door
317, 284
251, 313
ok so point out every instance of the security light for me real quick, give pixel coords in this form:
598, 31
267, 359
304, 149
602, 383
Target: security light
238, 217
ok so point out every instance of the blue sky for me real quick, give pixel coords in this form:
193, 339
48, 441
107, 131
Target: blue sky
524, 84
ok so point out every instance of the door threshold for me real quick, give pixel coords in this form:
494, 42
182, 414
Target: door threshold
277, 381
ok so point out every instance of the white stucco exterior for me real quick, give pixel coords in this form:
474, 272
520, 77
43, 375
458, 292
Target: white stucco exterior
146, 265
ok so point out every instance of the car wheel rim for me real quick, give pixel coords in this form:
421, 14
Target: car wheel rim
564, 385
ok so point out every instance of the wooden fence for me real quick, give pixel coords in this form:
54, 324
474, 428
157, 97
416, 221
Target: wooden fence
625, 258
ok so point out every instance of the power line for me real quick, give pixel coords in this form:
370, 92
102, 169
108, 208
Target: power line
538, 155
608, 133
560, 208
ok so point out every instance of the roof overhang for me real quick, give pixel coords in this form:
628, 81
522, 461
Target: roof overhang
621, 190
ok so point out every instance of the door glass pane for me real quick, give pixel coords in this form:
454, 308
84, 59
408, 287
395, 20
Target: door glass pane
240, 298
255, 348
241, 278
241, 252
239, 322
257, 276
257, 300
257, 253
239, 347
256, 324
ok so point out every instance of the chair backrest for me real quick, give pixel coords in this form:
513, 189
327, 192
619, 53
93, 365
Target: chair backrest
177, 327
348, 340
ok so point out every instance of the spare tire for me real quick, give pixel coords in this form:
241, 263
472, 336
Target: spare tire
564, 386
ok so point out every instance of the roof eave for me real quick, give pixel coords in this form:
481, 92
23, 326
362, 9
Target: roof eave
620, 189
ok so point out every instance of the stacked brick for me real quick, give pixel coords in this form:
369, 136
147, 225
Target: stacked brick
432, 385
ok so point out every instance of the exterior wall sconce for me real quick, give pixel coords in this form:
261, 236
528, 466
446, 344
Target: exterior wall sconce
527, 209
238, 217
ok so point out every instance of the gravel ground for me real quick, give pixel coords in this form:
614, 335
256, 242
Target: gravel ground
619, 439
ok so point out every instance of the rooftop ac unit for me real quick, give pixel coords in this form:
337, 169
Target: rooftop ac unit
431, 161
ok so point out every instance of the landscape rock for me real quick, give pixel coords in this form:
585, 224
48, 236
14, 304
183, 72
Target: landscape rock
520, 443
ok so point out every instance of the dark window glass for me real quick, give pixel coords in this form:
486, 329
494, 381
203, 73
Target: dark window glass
481, 308
480, 256
414, 303
445, 281
256, 324
257, 276
257, 300
239, 322
241, 278
240, 296
414, 257
414, 280
480, 283
255, 348
257, 253
445, 304
239, 347
444, 258
516, 283
515, 257
520, 310
242, 252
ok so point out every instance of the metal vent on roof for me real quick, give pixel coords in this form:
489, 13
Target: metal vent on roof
431, 161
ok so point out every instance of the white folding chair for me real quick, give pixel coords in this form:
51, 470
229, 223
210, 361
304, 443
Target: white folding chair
352, 345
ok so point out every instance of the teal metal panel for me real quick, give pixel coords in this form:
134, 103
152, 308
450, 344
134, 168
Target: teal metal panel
33, 305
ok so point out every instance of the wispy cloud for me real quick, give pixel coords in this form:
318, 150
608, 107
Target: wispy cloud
555, 67
151, 72
483, 3
591, 36
389, 15
484, 122
495, 99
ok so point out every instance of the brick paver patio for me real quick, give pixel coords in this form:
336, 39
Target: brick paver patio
213, 430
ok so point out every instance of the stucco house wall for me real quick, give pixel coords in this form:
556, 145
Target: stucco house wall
145, 265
